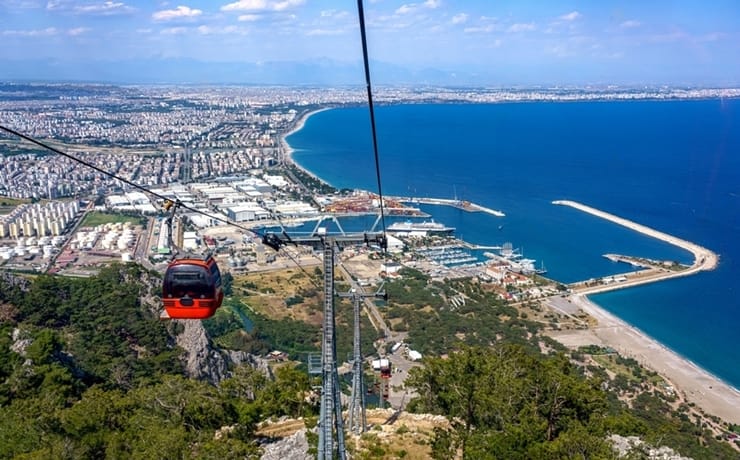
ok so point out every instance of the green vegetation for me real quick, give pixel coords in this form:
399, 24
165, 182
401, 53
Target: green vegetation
95, 374
236, 327
313, 184
12, 202
95, 218
8, 204
517, 404
88, 371
437, 326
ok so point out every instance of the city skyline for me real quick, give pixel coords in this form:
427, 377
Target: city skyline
422, 42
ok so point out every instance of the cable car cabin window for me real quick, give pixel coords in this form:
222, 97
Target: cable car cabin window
190, 281
216, 275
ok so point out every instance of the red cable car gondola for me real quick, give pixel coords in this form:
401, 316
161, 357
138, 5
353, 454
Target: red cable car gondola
192, 288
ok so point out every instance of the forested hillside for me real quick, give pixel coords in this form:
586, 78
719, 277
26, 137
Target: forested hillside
87, 370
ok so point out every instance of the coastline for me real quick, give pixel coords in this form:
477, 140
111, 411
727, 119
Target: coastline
694, 383
288, 150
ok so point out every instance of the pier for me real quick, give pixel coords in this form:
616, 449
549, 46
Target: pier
464, 205
704, 259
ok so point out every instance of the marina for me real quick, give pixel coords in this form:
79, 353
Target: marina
450, 256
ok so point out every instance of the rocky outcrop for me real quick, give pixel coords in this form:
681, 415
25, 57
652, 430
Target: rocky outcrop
21, 341
8, 279
205, 362
293, 447
634, 447
238, 358
201, 360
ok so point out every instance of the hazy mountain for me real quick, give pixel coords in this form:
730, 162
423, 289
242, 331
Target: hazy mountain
185, 71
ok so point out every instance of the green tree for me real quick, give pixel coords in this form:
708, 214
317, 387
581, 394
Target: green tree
506, 402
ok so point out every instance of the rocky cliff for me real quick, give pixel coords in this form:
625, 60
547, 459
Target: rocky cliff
204, 361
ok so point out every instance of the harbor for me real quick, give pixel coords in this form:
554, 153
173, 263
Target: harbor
460, 204
704, 259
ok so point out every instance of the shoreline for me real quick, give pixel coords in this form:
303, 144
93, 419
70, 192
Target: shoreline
287, 150
694, 383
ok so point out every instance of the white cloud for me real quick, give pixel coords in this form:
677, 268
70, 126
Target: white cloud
177, 13
405, 9
480, 30
49, 31
22, 4
104, 9
174, 31
205, 30
228, 30
488, 24
245, 5
711, 37
560, 50
77, 31
262, 5
572, 16
631, 24
411, 7
337, 14
521, 27
249, 17
459, 18
284, 5
324, 32
668, 37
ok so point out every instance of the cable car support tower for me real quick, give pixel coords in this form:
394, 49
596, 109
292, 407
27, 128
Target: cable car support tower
331, 426
356, 418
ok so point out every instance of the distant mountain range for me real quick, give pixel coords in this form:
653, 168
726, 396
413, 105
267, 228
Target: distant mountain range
184, 71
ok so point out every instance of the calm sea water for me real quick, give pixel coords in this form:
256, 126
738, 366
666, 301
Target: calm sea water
671, 165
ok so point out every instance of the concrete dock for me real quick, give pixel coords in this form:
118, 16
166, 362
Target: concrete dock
704, 259
460, 204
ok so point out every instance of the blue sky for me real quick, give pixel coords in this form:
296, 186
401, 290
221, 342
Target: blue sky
498, 42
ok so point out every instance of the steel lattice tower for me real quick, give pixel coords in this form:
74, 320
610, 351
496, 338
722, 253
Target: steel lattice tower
331, 405
331, 425
357, 422
356, 419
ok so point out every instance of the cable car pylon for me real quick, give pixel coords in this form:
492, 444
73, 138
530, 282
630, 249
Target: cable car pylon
331, 425
356, 418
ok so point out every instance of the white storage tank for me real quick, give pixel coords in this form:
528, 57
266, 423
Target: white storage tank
123, 243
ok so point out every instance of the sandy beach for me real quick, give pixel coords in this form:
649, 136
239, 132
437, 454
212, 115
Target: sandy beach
297, 126
697, 385
710, 393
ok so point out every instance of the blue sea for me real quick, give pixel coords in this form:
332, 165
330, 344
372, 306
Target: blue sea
670, 165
